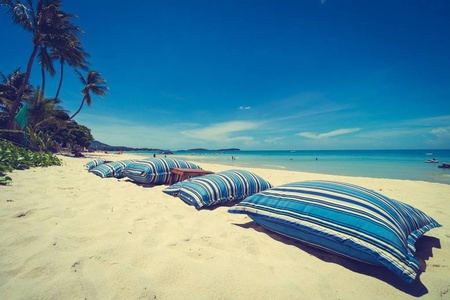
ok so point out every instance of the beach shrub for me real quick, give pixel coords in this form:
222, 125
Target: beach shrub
17, 158
40, 140
5, 180
16, 136
344, 219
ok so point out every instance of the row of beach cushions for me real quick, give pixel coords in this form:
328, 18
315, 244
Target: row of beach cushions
149, 170
341, 218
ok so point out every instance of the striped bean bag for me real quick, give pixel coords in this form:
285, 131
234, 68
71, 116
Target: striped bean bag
112, 169
232, 185
156, 170
92, 164
345, 219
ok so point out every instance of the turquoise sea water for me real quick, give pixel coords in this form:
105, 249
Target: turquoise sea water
392, 164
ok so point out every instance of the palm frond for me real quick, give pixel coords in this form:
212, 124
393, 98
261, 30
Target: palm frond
19, 15
80, 77
88, 99
46, 61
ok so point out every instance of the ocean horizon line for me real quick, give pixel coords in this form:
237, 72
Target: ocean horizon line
287, 150
391, 164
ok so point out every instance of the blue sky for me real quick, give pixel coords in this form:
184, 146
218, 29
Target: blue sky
305, 74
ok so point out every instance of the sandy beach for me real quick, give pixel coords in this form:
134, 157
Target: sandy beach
68, 234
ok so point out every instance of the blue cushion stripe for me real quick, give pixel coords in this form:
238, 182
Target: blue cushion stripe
92, 164
325, 224
356, 192
111, 169
317, 227
156, 170
344, 213
336, 224
333, 205
374, 208
218, 188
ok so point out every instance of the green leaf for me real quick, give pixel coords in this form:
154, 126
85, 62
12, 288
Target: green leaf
5, 180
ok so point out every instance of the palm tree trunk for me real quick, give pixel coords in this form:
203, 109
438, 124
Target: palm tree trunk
81, 106
43, 81
60, 80
12, 112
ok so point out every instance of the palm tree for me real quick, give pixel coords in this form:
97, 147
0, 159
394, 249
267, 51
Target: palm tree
9, 88
72, 53
46, 62
92, 83
42, 111
66, 48
45, 22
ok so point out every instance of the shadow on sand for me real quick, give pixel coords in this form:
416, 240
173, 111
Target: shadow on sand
144, 185
424, 250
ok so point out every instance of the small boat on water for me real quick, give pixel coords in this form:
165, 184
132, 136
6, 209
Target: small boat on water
429, 154
445, 166
434, 160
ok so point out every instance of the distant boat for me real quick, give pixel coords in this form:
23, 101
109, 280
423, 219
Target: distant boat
293, 151
429, 154
444, 166
434, 160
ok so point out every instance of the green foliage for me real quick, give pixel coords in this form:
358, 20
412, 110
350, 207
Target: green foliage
16, 136
42, 111
17, 158
5, 180
74, 133
9, 87
3, 119
40, 140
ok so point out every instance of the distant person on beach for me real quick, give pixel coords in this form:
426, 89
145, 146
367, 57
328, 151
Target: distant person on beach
154, 155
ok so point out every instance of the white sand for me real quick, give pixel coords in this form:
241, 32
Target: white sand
68, 234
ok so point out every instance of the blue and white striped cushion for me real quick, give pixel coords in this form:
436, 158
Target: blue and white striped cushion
92, 164
112, 169
344, 219
232, 185
156, 170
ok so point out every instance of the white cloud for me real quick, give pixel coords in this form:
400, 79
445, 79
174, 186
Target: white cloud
273, 140
245, 107
441, 132
315, 136
392, 133
245, 139
221, 132
433, 121
124, 132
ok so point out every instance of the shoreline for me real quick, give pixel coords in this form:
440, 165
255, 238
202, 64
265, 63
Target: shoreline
206, 159
67, 234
